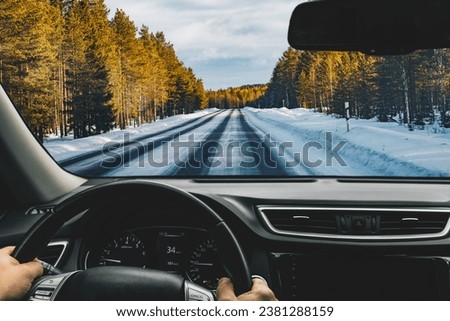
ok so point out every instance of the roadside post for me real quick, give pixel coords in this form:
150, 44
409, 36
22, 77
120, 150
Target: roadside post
347, 115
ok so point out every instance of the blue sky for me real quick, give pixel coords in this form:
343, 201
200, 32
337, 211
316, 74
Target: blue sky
226, 42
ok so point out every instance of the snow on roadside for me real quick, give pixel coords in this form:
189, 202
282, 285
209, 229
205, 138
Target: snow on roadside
168, 160
386, 149
372, 148
65, 148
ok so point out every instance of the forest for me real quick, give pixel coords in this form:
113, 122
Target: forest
70, 69
412, 89
237, 97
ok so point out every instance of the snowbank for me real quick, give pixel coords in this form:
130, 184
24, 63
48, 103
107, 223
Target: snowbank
65, 148
383, 148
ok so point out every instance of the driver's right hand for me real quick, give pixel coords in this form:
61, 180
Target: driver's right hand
259, 292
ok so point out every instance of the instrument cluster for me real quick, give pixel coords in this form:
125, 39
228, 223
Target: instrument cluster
185, 251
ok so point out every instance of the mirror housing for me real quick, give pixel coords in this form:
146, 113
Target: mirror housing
376, 27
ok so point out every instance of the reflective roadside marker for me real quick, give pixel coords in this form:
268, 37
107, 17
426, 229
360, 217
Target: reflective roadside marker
347, 115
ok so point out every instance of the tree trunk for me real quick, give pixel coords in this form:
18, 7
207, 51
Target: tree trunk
406, 93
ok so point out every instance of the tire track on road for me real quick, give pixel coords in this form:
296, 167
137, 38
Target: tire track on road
124, 153
95, 153
263, 164
200, 161
286, 156
253, 155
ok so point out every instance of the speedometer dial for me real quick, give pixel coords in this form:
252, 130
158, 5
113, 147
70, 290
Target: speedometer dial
127, 250
204, 266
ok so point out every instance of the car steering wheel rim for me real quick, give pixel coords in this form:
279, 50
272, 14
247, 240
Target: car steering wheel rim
230, 252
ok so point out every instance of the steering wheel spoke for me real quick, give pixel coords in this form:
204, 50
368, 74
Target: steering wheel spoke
47, 288
194, 292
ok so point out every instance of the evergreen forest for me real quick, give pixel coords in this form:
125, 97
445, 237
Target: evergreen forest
71, 68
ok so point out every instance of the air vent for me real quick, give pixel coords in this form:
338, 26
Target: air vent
357, 223
302, 220
406, 223
54, 253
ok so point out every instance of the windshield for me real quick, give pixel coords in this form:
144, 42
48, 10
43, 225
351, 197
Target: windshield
206, 89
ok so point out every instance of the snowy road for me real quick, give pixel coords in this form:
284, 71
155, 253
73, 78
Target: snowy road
115, 155
233, 148
253, 142
224, 145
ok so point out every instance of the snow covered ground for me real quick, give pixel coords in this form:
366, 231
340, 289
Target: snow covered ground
165, 160
65, 148
300, 140
386, 149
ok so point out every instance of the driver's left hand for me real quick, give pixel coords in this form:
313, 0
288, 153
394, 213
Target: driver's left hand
15, 278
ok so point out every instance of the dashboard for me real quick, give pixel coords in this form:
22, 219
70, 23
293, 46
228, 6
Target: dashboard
160, 234
188, 252
358, 241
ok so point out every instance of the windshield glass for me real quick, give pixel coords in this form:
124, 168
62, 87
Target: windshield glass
200, 88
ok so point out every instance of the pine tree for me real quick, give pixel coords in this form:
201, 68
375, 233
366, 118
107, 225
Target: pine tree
71, 70
89, 61
128, 95
244, 96
28, 53
155, 76
174, 69
283, 90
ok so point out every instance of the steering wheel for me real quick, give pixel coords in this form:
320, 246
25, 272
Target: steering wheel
129, 283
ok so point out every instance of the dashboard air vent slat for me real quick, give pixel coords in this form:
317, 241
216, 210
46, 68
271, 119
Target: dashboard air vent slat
53, 253
357, 223
412, 223
302, 221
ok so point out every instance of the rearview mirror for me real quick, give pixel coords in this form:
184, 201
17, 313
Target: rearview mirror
373, 27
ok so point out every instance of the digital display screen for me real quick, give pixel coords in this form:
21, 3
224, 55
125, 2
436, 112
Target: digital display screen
171, 250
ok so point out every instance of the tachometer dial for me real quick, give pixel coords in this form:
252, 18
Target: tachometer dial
204, 266
127, 250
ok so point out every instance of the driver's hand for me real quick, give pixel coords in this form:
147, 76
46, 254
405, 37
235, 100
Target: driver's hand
259, 292
15, 278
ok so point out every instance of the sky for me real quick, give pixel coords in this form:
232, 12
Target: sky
228, 43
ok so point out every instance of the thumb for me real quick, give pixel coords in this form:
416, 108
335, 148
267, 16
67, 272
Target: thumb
225, 290
31, 270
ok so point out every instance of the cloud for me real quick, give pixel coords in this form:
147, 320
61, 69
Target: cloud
210, 36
